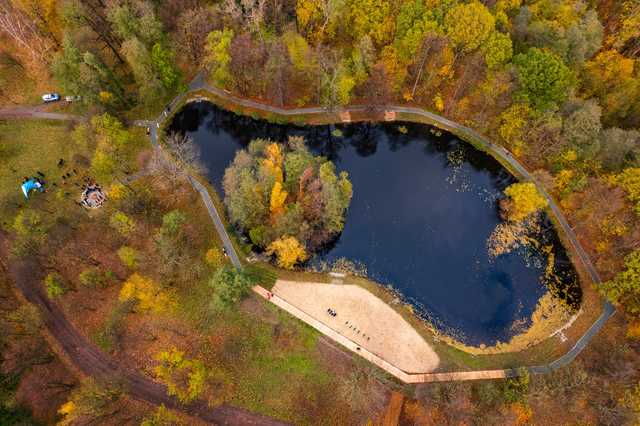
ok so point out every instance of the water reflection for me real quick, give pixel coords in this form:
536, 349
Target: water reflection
422, 211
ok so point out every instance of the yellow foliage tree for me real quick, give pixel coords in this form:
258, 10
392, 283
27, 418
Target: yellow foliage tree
117, 191
524, 200
513, 123
629, 180
184, 377
438, 103
148, 294
214, 257
274, 161
278, 197
288, 250
67, 410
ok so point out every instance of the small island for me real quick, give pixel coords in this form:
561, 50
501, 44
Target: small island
289, 201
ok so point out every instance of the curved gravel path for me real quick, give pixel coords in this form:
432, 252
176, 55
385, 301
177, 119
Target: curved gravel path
90, 360
465, 133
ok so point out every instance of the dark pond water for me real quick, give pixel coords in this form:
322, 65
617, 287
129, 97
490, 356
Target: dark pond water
423, 207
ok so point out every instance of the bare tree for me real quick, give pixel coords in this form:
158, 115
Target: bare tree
24, 31
182, 158
249, 12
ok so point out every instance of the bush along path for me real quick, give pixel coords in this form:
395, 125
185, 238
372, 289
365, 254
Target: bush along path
74, 344
89, 360
500, 153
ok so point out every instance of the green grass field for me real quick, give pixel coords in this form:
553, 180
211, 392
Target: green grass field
28, 147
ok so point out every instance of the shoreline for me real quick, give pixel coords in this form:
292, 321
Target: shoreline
200, 91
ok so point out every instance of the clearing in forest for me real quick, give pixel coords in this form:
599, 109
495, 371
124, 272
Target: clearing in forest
364, 319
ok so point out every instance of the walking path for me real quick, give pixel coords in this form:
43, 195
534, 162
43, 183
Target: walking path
36, 112
466, 133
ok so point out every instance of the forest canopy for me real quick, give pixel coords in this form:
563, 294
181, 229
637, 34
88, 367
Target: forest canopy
289, 201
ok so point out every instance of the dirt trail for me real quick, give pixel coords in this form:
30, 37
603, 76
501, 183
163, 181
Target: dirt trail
90, 360
37, 111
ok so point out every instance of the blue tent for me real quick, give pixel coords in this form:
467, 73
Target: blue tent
30, 185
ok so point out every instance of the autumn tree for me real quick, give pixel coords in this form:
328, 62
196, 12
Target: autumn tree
90, 16
273, 190
582, 128
192, 29
415, 20
318, 20
172, 242
619, 149
147, 294
248, 59
523, 200
624, 288
86, 74
92, 401
185, 377
163, 61
498, 50
229, 286
135, 20
139, 59
115, 146
185, 159
611, 78
629, 180
371, 17
514, 123
469, 25
543, 78
26, 33
288, 251
218, 56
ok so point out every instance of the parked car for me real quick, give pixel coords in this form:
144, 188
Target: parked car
72, 98
50, 97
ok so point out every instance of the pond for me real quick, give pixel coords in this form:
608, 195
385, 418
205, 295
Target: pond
424, 205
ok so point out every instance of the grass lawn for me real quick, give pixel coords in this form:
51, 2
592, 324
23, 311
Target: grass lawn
29, 146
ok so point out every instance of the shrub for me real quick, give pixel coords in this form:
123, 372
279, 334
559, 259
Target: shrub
184, 377
214, 257
122, 223
147, 294
230, 286
54, 285
516, 389
94, 278
30, 233
108, 337
128, 256
91, 400
162, 417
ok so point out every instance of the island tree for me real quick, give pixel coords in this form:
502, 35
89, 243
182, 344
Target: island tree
287, 200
